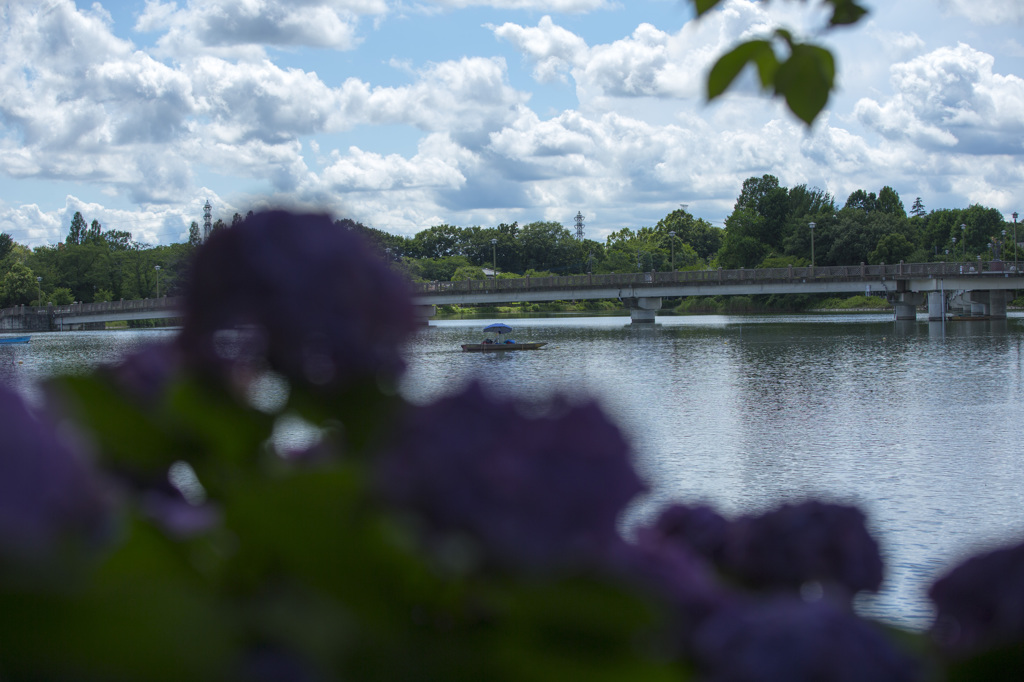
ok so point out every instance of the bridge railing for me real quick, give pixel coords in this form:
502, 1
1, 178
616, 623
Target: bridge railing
136, 305
719, 276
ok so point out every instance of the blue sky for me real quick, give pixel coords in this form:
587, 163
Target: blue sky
404, 114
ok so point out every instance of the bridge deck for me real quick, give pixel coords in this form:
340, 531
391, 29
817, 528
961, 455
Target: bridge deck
873, 279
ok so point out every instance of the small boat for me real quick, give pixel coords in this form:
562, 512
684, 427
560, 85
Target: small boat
509, 345
14, 339
489, 346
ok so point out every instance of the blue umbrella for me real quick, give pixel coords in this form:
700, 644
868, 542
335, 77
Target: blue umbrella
498, 328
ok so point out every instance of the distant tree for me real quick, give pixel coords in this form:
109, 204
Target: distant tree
983, 226
466, 272
437, 269
95, 233
236, 219
704, 237
438, 241
856, 234
863, 201
6, 245
549, 246
754, 191
17, 285
61, 296
783, 262
218, 225
892, 248
117, 240
810, 201
77, 231
766, 198
194, 238
918, 208
889, 202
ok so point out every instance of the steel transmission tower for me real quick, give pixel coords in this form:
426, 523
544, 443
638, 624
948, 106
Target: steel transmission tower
579, 226
207, 221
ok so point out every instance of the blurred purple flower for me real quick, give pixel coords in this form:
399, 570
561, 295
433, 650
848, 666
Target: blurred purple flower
800, 543
274, 664
789, 639
145, 374
178, 517
316, 302
674, 577
699, 529
533, 492
47, 492
980, 603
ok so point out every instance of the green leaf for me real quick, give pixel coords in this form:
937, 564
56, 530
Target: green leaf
846, 12
729, 65
703, 6
145, 615
126, 435
806, 80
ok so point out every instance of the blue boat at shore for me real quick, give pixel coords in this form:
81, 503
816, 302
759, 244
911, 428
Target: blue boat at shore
15, 339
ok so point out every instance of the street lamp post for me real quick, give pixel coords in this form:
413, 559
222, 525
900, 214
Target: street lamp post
39, 289
1015, 241
157, 268
494, 257
812, 226
963, 239
672, 234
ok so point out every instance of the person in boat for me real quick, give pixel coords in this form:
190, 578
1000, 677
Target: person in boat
486, 341
510, 341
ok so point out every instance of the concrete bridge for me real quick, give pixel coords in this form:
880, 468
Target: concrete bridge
77, 316
974, 288
971, 289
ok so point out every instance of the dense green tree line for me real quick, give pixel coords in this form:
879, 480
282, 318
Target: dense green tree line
90, 265
769, 227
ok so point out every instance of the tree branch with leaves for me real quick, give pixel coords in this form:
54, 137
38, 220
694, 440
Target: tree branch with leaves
802, 73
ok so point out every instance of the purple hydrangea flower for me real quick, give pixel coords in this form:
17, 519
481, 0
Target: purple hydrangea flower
790, 639
799, 543
673, 577
980, 603
698, 528
145, 374
47, 491
178, 517
315, 301
532, 492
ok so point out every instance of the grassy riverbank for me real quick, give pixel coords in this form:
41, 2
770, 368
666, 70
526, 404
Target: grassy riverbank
449, 312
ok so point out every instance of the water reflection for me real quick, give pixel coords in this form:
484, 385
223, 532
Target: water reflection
918, 427
918, 423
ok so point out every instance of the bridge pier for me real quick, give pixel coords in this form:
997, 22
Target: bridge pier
979, 302
936, 306
423, 313
997, 304
642, 309
906, 304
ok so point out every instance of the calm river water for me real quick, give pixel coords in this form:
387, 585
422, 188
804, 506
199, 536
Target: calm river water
917, 423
